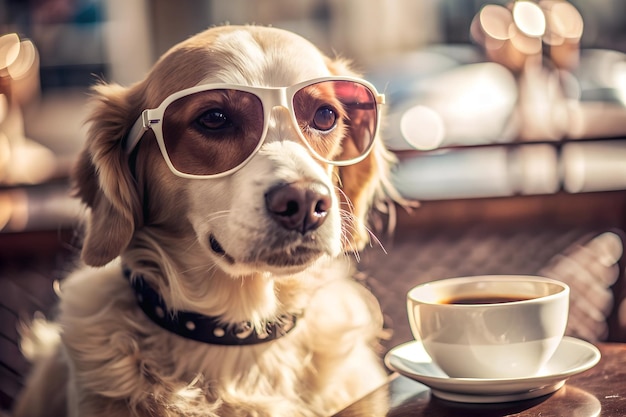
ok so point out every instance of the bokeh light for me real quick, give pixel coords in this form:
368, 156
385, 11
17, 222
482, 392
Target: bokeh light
565, 23
527, 45
495, 21
529, 18
9, 50
422, 127
24, 60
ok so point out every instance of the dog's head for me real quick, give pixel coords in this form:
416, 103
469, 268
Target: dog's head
279, 210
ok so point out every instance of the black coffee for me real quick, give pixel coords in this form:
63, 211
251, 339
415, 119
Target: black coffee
484, 299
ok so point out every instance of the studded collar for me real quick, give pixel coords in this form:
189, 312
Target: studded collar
201, 328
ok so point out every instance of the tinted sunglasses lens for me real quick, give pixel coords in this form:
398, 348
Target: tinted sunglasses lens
357, 109
213, 131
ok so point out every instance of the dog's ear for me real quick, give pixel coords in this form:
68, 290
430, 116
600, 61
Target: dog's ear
362, 183
102, 178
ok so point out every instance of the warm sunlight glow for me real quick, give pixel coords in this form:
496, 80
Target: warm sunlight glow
23, 61
9, 49
422, 127
525, 44
495, 21
529, 18
564, 22
32, 163
492, 87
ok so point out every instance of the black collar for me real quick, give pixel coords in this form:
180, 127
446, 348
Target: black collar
207, 329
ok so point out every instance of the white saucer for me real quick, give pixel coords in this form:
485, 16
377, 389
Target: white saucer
573, 356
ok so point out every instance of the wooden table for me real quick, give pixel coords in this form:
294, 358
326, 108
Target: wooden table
600, 391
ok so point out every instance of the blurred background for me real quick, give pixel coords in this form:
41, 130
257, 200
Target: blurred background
508, 120
546, 79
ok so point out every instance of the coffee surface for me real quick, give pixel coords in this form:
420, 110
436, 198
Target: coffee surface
484, 299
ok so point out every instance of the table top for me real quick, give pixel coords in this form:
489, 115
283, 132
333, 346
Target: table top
599, 391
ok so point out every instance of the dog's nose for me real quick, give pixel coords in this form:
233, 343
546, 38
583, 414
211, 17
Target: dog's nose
300, 206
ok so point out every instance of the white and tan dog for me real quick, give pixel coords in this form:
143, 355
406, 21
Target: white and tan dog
223, 193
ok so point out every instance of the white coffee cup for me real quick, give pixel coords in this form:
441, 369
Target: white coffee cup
470, 334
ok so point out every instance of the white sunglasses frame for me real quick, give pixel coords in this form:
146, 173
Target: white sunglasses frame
270, 97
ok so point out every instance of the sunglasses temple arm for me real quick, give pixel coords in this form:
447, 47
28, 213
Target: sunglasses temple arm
136, 132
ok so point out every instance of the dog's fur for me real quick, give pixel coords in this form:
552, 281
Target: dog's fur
104, 357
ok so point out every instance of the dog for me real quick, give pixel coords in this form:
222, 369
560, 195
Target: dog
224, 194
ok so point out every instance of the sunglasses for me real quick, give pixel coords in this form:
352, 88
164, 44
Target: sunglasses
212, 130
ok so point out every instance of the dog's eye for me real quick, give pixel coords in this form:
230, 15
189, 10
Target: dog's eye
324, 119
213, 119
